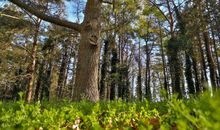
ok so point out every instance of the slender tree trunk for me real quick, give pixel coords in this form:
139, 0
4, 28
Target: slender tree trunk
120, 81
139, 77
164, 64
72, 83
208, 4
188, 74
66, 75
50, 73
39, 81
122, 66
196, 74
114, 61
147, 72
149, 77
123, 86
103, 82
17, 86
86, 86
47, 87
46, 82
204, 77
210, 60
216, 58
127, 85
63, 72
31, 67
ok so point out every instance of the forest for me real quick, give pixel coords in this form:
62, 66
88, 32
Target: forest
110, 64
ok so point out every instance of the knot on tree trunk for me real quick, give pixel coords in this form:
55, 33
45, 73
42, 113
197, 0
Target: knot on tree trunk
93, 39
91, 28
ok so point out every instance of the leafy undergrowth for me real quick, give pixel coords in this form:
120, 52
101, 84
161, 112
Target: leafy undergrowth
202, 113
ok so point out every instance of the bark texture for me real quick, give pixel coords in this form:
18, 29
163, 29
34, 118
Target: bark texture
86, 86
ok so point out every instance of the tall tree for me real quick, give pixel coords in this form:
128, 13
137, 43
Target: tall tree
63, 71
103, 83
86, 86
31, 68
139, 77
166, 87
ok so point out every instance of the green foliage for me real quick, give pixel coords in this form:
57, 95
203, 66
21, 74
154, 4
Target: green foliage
199, 113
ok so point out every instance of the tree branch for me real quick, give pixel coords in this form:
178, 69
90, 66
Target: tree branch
10, 16
51, 19
154, 4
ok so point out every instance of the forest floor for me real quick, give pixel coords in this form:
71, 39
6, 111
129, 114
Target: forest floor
200, 113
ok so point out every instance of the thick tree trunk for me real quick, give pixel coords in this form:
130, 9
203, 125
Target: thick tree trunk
86, 86
175, 66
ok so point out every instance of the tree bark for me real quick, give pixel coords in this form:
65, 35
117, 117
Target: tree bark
45, 89
86, 86
175, 65
103, 83
204, 77
72, 83
188, 74
114, 78
39, 81
31, 67
208, 5
164, 64
210, 60
63, 71
139, 77
196, 74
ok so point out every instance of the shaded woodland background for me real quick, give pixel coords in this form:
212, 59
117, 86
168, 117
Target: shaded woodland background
150, 49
